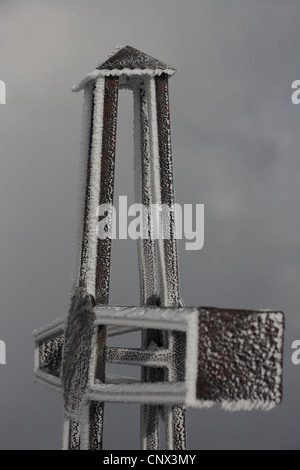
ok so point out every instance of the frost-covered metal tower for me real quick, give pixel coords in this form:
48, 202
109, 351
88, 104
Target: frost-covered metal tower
188, 356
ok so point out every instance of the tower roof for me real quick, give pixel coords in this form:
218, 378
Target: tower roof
130, 58
127, 61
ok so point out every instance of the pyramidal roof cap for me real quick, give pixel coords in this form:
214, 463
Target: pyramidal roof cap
127, 61
130, 58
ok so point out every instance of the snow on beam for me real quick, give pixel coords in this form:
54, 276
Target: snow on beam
129, 62
164, 318
52, 382
48, 353
121, 330
120, 379
51, 329
161, 392
117, 73
138, 357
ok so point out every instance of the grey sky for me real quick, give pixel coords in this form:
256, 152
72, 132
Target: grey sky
236, 148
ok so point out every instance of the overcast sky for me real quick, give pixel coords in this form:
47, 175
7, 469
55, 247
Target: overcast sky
235, 139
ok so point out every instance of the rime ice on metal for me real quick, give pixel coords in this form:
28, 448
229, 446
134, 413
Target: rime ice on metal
188, 356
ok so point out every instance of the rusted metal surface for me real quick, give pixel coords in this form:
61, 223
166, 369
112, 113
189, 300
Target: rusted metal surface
100, 353
107, 185
149, 427
143, 195
146, 257
96, 419
102, 274
240, 356
50, 354
86, 213
130, 58
167, 188
171, 297
178, 431
74, 435
138, 357
104, 245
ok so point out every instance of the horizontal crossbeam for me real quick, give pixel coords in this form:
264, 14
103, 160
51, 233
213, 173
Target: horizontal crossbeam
120, 379
121, 330
162, 318
138, 357
171, 393
232, 357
